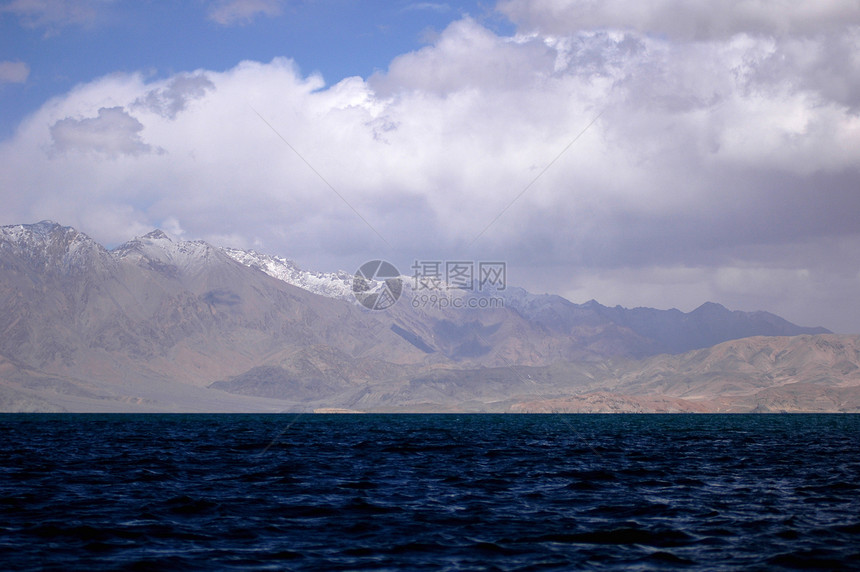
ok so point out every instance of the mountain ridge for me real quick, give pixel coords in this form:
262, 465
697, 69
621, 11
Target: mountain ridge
164, 324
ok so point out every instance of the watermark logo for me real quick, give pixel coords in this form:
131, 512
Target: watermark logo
377, 285
443, 301
458, 284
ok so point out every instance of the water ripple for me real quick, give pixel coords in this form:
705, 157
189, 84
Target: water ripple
429, 492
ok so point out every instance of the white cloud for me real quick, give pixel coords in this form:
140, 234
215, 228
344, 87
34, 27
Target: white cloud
54, 14
430, 6
466, 56
172, 227
230, 12
717, 169
14, 72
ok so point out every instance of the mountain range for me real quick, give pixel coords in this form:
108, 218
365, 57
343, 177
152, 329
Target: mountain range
161, 324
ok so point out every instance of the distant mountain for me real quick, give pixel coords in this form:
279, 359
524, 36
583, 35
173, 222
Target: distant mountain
662, 331
605, 331
159, 324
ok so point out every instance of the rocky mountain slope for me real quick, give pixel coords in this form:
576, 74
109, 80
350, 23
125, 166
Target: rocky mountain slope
162, 324
764, 374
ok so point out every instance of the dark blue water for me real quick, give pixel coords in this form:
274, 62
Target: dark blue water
429, 492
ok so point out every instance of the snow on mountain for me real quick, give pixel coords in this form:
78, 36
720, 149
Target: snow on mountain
158, 247
339, 284
328, 284
38, 237
59, 247
53, 246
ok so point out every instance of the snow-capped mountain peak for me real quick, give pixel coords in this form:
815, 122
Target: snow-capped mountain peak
160, 248
41, 234
329, 284
57, 247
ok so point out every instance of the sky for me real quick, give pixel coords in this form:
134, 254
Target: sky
658, 154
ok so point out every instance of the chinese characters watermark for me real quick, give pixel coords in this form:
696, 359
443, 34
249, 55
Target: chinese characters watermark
459, 274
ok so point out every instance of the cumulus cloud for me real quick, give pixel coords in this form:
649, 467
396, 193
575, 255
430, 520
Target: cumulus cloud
14, 72
723, 169
230, 12
466, 56
112, 132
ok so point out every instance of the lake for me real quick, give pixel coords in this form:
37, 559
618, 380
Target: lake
429, 492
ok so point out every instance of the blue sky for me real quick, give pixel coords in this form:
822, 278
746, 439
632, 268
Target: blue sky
336, 38
658, 154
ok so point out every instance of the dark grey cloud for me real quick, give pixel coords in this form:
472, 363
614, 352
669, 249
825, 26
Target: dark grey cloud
827, 66
112, 132
700, 20
168, 101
